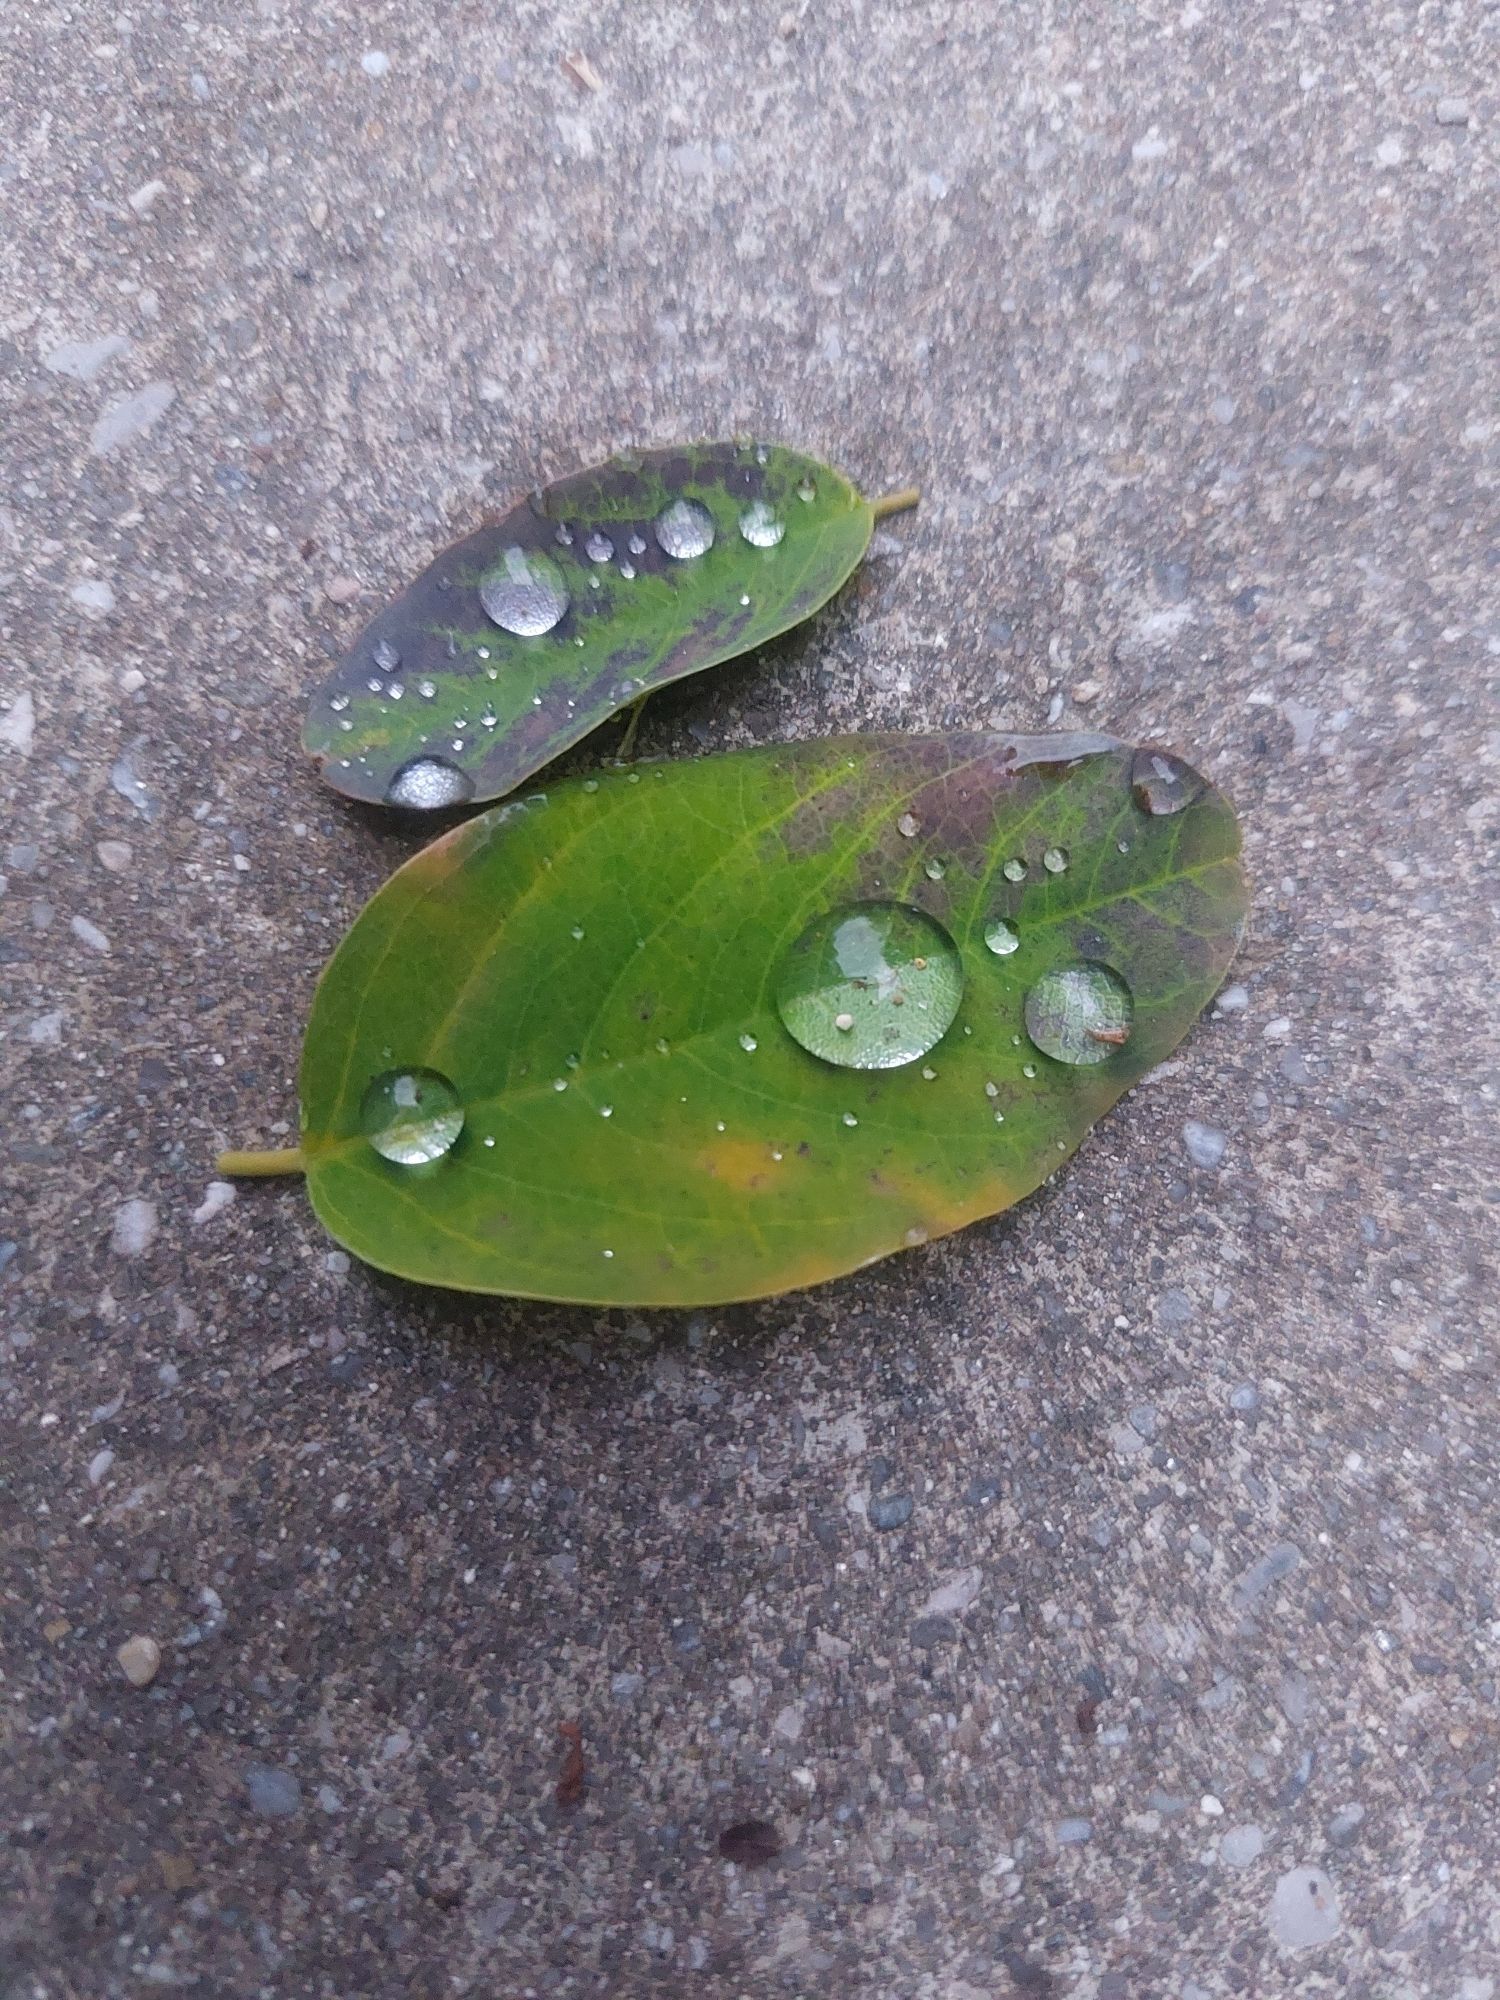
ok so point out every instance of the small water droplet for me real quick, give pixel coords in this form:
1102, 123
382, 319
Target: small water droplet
458, 743
427, 784
591, 784
559, 1083
338, 703
564, 534
914, 1236
870, 985
1014, 869
685, 529
627, 570
663, 1046
396, 690
761, 526
386, 657
411, 1116
1001, 937
744, 600
762, 456
488, 719
1079, 1013
1028, 1069
807, 490
909, 825
524, 593
929, 1074
637, 545
850, 1119
749, 1044
607, 1253
482, 652
606, 1111
489, 1138
598, 548
992, 1089
719, 1126
999, 1117
374, 685
570, 1062
1162, 783
1123, 846
576, 932
426, 689
1055, 860
345, 723
934, 869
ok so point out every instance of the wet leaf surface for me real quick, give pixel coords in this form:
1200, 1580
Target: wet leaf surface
695, 1032
528, 634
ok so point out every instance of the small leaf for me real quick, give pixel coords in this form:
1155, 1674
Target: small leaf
523, 637
707, 1031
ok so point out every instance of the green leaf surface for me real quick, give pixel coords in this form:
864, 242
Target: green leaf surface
619, 982
440, 702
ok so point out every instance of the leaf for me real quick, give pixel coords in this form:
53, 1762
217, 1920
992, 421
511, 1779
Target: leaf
523, 637
602, 975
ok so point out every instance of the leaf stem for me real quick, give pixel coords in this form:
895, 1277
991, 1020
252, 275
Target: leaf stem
260, 1166
627, 741
895, 503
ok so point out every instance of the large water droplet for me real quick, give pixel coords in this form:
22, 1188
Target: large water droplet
598, 548
1014, 869
685, 529
761, 526
1079, 1013
386, 656
870, 986
411, 1116
524, 593
1055, 860
1001, 937
426, 784
1162, 783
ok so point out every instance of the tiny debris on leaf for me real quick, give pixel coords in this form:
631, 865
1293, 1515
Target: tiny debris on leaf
574, 1770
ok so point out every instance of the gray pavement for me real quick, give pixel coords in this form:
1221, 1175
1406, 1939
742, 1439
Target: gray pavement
1177, 1674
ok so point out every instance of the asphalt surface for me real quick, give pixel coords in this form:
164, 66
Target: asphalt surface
1100, 1603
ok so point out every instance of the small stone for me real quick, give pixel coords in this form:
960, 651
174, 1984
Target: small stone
341, 589
956, 1594
89, 934
375, 62
891, 1510
92, 593
134, 1228
81, 360
1241, 1845
1210, 1807
1205, 1145
1073, 1832
140, 1660
1390, 152
147, 196
788, 1723
1344, 1824
273, 1792
1143, 1420
1234, 1000
99, 1465
929, 1632
216, 1197
131, 680
1452, 111
582, 71
1244, 1396
1276, 1564
18, 725
1304, 1909
130, 417
115, 855
1086, 691
46, 1030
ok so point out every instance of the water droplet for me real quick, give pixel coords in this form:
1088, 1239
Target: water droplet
606, 1111
762, 456
524, 593
627, 570
807, 490
429, 783
396, 690
386, 656
338, 703
1001, 937
749, 1044
850, 1119
915, 1235
559, 1083
426, 689
685, 529
411, 1116
663, 1046
637, 545
1123, 846
1028, 1069
489, 1138
1014, 870
909, 825
934, 869
999, 1117
1055, 860
598, 548
488, 719
1162, 783
606, 1253
929, 1074
1079, 1013
761, 526
870, 986
576, 932
374, 684
591, 784
564, 534
483, 652
744, 600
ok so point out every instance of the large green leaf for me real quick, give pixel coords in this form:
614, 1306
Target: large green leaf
604, 975
523, 637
